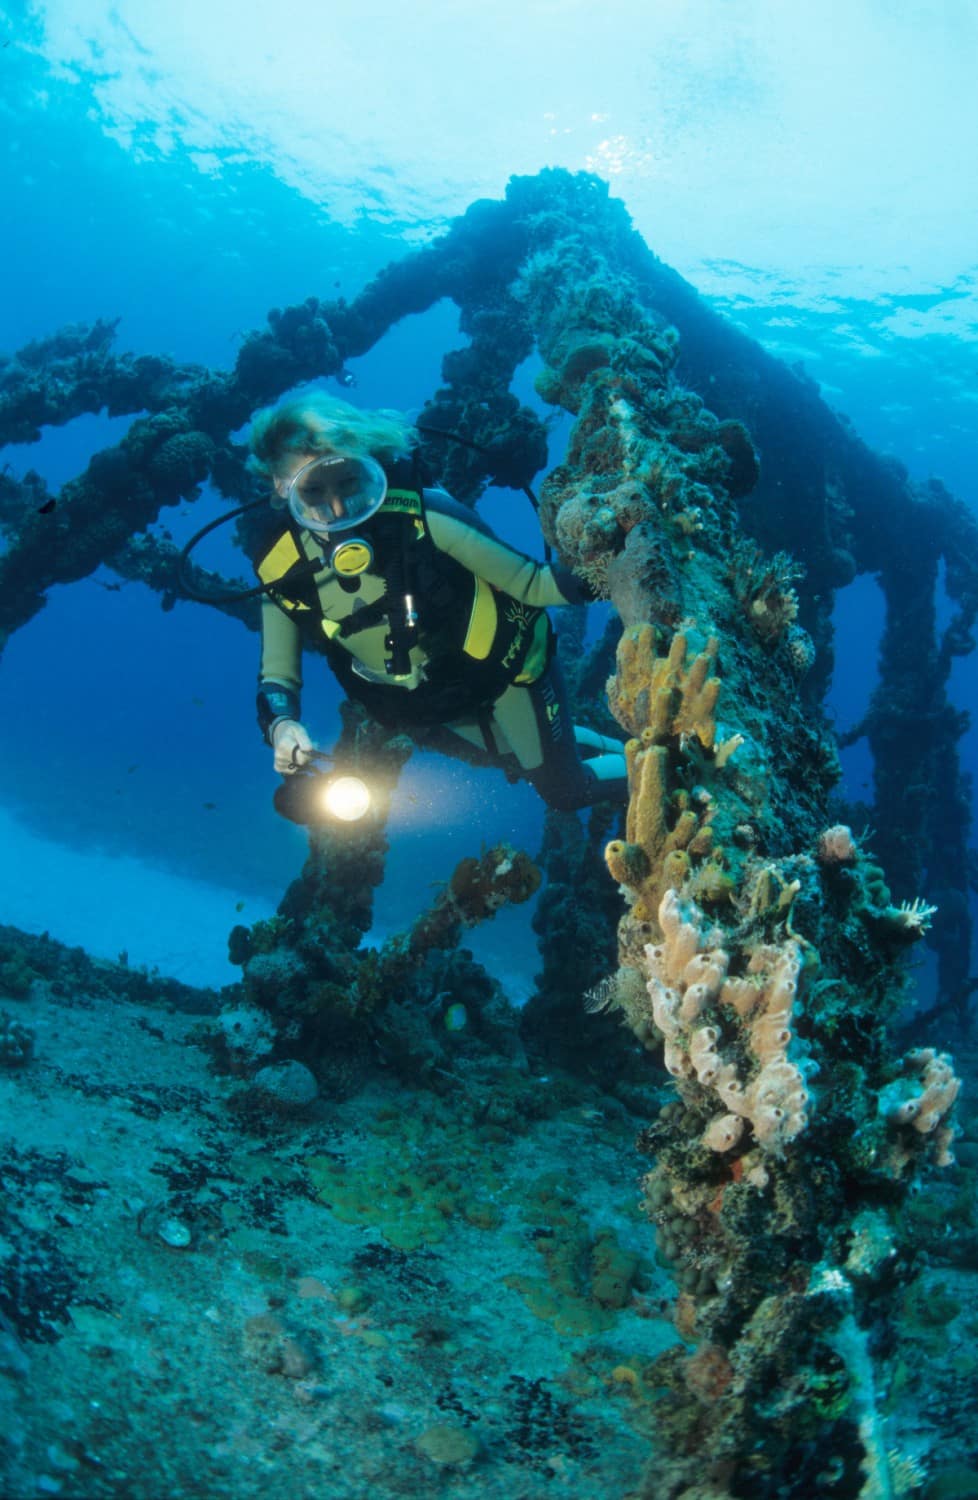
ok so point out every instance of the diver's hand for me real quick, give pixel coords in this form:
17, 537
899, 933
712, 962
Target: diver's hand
292, 746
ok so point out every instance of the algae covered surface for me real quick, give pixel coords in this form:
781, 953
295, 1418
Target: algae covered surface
405, 1292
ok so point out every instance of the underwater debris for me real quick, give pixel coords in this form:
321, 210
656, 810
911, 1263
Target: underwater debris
179, 1225
448, 1445
17, 1042
289, 1088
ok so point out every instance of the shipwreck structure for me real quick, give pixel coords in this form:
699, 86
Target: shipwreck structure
715, 501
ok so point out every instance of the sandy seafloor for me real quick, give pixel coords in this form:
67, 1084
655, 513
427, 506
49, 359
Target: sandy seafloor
377, 1348
372, 1300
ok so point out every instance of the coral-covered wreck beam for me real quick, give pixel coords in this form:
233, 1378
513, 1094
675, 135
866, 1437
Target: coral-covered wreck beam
821, 491
73, 373
185, 439
759, 949
306, 969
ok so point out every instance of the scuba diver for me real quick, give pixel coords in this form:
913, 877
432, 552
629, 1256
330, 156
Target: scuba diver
427, 619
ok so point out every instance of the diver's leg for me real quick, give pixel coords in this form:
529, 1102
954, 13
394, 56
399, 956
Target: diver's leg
440, 737
536, 722
463, 739
591, 743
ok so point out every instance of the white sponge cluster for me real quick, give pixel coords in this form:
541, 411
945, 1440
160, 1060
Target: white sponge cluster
700, 1011
922, 1098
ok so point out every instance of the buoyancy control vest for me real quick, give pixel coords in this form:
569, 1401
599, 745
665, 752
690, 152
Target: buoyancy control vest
468, 641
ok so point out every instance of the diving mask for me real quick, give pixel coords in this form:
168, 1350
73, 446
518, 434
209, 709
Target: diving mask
336, 492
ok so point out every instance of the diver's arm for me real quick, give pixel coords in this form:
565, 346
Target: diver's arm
463, 536
280, 673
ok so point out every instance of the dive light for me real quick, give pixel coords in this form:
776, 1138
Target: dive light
315, 793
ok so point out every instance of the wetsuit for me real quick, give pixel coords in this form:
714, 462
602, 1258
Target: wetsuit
477, 664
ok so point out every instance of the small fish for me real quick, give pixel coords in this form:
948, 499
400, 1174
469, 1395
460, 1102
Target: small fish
346, 378
239, 906
209, 806
197, 702
130, 769
46, 508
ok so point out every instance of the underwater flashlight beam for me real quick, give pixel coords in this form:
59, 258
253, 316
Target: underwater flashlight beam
346, 798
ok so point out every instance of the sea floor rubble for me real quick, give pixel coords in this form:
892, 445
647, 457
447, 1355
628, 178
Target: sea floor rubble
184, 1314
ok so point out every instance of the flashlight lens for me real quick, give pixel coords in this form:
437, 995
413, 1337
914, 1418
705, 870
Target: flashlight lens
346, 798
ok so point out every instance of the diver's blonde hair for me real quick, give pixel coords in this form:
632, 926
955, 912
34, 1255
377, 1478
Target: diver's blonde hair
319, 423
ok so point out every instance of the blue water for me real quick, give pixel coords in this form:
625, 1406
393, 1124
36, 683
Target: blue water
138, 188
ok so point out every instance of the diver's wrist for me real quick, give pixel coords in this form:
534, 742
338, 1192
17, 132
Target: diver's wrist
282, 719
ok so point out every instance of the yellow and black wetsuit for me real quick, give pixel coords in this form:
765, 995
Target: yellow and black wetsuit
479, 664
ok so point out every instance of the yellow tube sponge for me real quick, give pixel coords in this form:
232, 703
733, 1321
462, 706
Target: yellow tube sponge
659, 697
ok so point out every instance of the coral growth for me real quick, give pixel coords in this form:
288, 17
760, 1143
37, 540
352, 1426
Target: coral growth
726, 1037
658, 697
735, 951
708, 1019
670, 837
